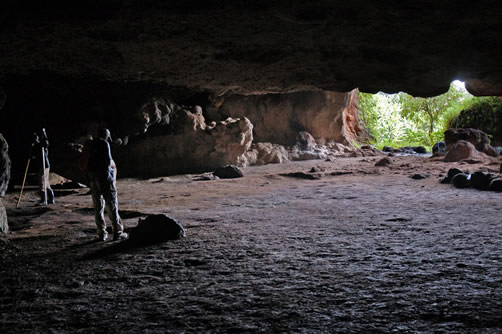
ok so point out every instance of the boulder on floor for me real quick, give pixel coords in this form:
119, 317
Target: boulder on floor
228, 172
383, 162
461, 150
439, 147
481, 180
474, 136
496, 185
461, 180
156, 228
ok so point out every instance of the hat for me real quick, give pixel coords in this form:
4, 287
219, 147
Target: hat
103, 133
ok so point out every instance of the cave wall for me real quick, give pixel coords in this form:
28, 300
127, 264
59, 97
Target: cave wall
278, 118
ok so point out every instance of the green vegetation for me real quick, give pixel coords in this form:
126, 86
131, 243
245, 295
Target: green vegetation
399, 120
484, 113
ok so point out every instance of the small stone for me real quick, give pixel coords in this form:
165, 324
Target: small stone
418, 176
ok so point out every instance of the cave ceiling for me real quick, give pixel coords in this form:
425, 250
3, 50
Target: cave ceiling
258, 46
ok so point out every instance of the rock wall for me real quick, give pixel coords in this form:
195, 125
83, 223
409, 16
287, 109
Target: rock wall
278, 118
192, 146
4, 181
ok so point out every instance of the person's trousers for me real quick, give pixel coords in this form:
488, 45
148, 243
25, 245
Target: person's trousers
104, 194
44, 187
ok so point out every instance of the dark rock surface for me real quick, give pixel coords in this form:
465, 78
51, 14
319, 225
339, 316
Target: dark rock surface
228, 172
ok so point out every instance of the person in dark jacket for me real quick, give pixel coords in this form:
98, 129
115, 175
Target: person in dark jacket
40, 158
102, 174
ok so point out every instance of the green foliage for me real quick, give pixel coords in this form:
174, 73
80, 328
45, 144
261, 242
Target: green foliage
484, 113
399, 120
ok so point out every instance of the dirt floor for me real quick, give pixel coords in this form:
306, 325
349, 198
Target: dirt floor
355, 248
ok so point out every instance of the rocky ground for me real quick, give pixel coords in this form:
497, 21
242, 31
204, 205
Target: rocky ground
349, 247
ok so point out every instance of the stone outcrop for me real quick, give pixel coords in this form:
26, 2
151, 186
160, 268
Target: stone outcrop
188, 145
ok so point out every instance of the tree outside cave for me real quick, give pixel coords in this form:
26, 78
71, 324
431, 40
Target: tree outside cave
400, 119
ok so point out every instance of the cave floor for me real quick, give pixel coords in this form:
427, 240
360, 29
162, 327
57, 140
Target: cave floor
368, 251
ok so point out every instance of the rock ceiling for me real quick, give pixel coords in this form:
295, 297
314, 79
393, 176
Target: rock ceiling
258, 46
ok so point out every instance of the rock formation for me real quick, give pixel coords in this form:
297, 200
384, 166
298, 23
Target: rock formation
191, 146
4, 181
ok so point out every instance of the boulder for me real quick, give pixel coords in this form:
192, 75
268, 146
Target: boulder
461, 180
305, 141
439, 147
451, 173
265, 153
228, 172
156, 228
420, 149
387, 149
4, 165
496, 185
474, 136
481, 180
461, 150
383, 162
488, 150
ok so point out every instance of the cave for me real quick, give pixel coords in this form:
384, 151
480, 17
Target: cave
321, 233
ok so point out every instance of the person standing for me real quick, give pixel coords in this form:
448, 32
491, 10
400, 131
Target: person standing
40, 157
102, 175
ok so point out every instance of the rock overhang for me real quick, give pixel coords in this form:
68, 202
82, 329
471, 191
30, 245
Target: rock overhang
251, 47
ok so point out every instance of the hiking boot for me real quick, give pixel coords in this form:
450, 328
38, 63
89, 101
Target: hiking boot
120, 236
